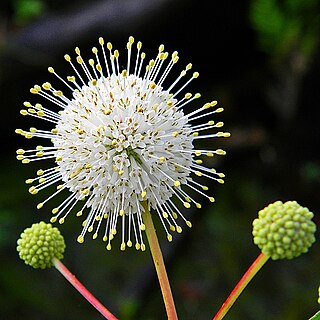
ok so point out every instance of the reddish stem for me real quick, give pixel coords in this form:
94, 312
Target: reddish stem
250, 273
83, 290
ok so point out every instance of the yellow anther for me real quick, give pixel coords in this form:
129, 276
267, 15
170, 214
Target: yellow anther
198, 173
189, 66
101, 41
188, 95
226, 134
60, 186
221, 175
20, 157
220, 181
131, 39
137, 246
79, 213
162, 56
80, 239
187, 205
188, 199
79, 60
169, 237
165, 215
188, 223
94, 82
58, 158
94, 236
39, 154
71, 78
197, 95
183, 73
109, 45
195, 134
28, 135
18, 131
29, 181
213, 170
77, 50
51, 70
58, 93
199, 161
162, 159
20, 151
195, 75
27, 104
207, 105
172, 228
142, 227
61, 220
198, 153
209, 154
220, 152
143, 194
129, 243
123, 246
116, 53
169, 103
90, 229
99, 68
67, 57
108, 247
212, 199
177, 183
161, 48
175, 216
121, 212
124, 73
40, 113
40, 172
211, 123
143, 55
175, 60
23, 112
53, 219
91, 62
105, 238
143, 247
46, 86
198, 205
139, 45
152, 85
25, 161
219, 124
219, 110
94, 50
174, 134
121, 172
85, 191
55, 210
179, 229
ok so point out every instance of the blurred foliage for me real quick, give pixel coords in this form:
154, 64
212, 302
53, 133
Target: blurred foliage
27, 10
285, 25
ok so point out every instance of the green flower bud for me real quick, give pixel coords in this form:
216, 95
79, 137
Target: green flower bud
284, 230
39, 244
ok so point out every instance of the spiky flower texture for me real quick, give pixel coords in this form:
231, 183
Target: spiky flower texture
120, 139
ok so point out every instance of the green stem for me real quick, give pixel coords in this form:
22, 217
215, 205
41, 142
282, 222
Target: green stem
316, 316
83, 290
159, 264
246, 278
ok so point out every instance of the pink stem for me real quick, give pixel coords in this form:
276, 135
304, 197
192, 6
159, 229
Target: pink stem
83, 290
246, 278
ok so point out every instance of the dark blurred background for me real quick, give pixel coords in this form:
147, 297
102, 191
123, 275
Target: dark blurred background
260, 60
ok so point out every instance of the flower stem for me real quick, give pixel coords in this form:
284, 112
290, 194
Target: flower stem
83, 290
159, 264
246, 278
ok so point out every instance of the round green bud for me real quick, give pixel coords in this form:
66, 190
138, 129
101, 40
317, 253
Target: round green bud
284, 230
39, 244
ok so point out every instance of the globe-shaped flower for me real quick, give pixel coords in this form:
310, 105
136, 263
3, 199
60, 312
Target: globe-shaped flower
122, 137
284, 230
39, 244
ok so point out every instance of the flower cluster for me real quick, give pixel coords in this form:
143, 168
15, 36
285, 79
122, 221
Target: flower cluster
284, 230
40, 244
120, 138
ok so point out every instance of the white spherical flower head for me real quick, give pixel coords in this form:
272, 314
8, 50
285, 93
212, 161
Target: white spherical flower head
121, 138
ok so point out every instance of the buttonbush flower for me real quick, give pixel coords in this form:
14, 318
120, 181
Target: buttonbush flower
40, 244
122, 136
284, 230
